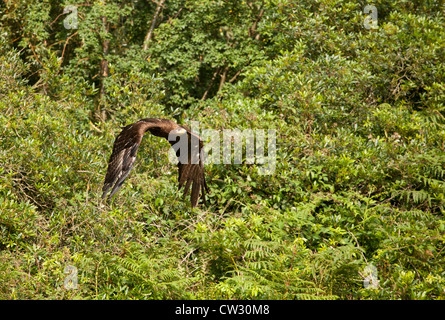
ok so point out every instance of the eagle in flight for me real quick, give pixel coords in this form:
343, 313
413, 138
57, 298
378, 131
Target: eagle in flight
188, 147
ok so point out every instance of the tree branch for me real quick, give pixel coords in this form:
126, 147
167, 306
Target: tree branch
252, 29
63, 51
210, 84
223, 78
153, 24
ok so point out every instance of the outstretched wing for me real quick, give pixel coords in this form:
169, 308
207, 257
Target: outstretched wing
122, 159
193, 174
191, 167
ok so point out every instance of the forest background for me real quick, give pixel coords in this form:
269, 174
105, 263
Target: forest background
357, 101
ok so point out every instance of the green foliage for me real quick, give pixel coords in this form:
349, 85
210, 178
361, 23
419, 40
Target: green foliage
359, 177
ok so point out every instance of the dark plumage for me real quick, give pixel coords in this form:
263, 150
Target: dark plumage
190, 167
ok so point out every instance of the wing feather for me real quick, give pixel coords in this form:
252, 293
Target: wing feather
192, 175
196, 187
191, 172
124, 153
122, 159
185, 177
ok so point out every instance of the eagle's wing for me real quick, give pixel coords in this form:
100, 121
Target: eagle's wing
122, 159
192, 172
191, 169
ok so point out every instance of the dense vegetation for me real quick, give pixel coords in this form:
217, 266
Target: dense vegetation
359, 181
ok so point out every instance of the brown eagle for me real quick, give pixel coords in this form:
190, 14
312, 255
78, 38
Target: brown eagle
190, 155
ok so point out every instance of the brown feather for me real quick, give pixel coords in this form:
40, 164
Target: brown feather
125, 149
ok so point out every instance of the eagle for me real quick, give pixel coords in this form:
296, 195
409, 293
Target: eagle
190, 156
